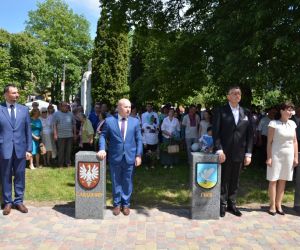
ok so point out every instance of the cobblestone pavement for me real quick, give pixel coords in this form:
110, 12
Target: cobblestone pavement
56, 228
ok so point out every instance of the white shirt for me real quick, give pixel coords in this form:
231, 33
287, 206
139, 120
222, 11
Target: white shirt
236, 113
9, 109
149, 136
120, 124
191, 132
170, 126
147, 115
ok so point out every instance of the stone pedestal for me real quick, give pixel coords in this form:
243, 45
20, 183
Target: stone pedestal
205, 181
90, 186
297, 189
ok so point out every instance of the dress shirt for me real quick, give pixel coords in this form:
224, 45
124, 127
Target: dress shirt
236, 113
120, 124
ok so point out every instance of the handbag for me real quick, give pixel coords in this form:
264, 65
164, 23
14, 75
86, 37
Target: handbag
173, 149
42, 149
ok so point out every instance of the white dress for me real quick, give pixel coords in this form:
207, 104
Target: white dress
282, 151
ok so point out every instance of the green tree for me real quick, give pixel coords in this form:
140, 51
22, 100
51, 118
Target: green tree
111, 56
29, 58
6, 72
254, 44
67, 40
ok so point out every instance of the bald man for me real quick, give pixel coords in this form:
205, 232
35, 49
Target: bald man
125, 149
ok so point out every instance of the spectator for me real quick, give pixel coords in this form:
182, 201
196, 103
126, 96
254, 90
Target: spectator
205, 123
35, 105
51, 112
296, 119
163, 114
77, 118
191, 123
64, 133
150, 141
255, 121
36, 129
282, 156
262, 130
75, 103
104, 110
206, 141
102, 118
94, 115
146, 116
47, 135
134, 113
86, 134
171, 135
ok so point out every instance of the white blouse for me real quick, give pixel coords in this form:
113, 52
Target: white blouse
170, 126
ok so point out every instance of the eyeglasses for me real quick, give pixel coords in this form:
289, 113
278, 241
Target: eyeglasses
44, 112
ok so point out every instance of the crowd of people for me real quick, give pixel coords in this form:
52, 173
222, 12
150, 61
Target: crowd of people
232, 132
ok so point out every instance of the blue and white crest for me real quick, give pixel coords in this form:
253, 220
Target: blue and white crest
207, 174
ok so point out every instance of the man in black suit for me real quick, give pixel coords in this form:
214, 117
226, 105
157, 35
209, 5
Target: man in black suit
233, 142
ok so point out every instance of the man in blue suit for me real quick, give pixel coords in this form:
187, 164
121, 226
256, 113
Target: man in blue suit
125, 147
15, 147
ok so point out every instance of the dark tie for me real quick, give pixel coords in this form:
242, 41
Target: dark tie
12, 115
123, 128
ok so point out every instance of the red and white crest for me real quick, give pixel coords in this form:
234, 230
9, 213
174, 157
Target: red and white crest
88, 174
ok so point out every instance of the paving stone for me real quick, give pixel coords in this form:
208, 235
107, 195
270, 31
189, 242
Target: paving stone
47, 228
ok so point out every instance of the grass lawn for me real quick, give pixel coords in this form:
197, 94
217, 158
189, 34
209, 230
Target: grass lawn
152, 188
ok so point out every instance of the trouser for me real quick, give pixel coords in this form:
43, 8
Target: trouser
121, 177
64, 146
230, 177
9, 168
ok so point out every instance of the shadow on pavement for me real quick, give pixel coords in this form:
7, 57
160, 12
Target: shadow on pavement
66, 209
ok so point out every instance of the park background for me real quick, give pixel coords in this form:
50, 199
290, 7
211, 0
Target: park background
182, 51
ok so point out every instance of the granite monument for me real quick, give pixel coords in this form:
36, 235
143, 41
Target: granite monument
205, 186
90, 186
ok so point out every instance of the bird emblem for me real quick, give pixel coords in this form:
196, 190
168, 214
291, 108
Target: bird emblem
206, 174
89, 174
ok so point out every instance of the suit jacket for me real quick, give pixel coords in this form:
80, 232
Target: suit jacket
234, 140
117, 147
18, 137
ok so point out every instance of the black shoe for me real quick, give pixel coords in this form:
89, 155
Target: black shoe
222, 211
280, 212
271, 213
233, 209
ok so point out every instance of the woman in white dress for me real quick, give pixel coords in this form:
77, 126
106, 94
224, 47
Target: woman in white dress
282, 156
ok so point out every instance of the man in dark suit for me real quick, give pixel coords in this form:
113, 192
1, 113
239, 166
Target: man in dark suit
15, 147
233, 142
124, 153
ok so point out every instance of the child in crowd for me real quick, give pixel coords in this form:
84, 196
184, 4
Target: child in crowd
205, 142
150, 140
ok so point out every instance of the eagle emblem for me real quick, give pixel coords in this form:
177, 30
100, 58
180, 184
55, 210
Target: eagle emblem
207, 174
88, 174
